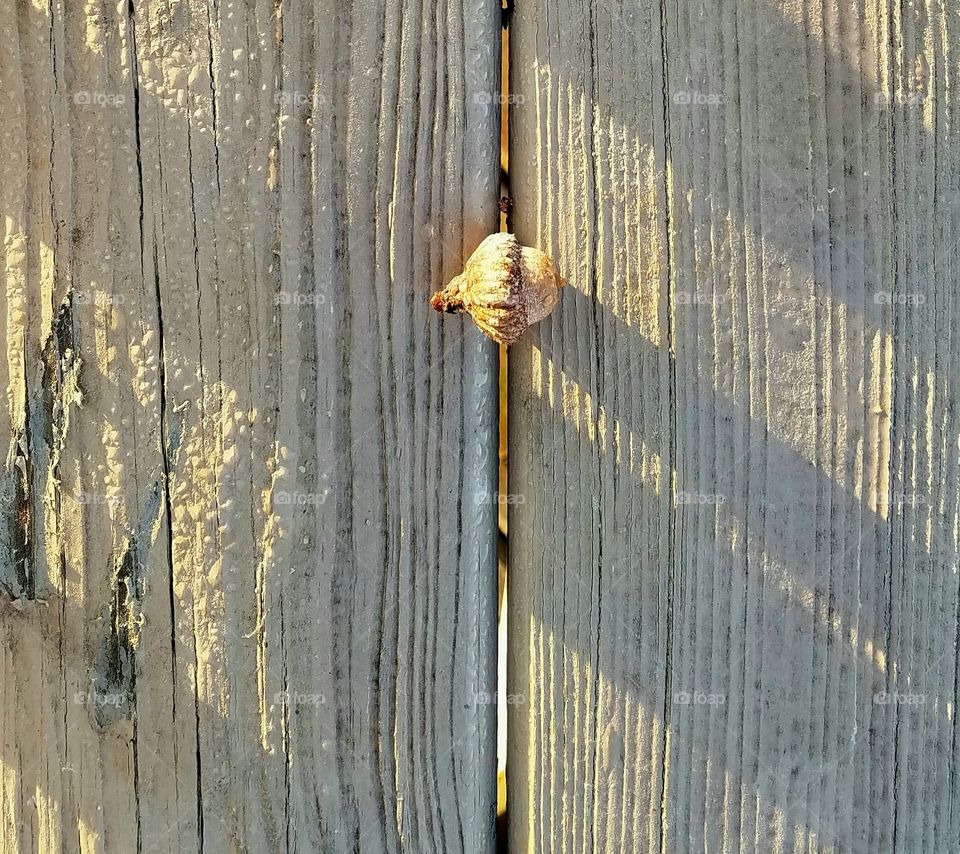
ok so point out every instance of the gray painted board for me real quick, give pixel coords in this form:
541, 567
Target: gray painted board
734, 565
248, 571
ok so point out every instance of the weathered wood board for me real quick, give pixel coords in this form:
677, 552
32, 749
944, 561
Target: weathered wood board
734, 447
247, 560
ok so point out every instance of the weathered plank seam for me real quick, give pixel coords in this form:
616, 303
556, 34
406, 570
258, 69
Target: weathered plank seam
895, 39
667, 191
592, 695
135, 85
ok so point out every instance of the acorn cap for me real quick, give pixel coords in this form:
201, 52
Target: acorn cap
504, 287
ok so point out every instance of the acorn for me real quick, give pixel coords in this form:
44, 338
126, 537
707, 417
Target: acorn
504, 287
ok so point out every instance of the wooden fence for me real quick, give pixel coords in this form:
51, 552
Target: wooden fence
248, 506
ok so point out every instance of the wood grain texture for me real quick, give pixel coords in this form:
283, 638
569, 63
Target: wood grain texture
734, 543
247, 552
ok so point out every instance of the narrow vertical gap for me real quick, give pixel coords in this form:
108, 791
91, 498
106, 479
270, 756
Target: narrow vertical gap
503, 488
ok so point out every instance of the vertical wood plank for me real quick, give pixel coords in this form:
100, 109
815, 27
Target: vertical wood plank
734, 563
247, 557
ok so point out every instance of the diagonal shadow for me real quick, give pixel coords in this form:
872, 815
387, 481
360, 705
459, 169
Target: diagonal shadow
627, 394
